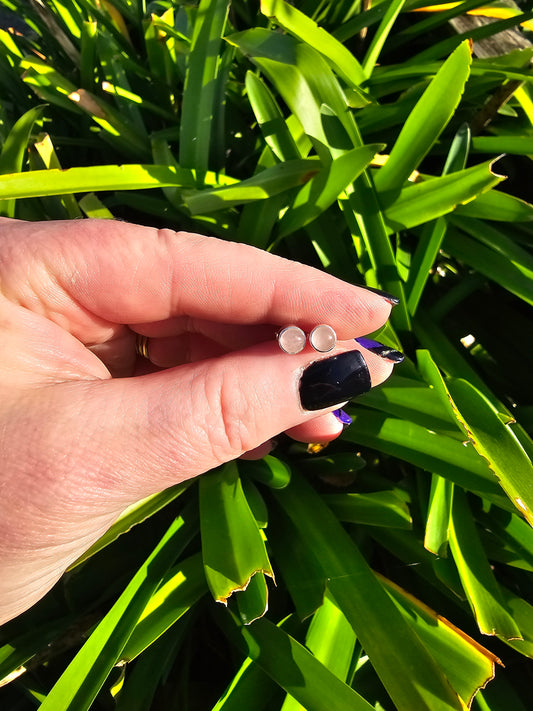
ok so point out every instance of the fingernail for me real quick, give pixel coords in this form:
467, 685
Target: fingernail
381, 349
393, 300
334, 380
343, 417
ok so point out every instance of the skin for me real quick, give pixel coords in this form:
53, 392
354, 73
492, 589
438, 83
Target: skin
87, 427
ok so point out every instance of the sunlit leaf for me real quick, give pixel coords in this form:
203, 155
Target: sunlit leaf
232, 545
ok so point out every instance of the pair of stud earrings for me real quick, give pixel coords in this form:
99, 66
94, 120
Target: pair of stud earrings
291, 339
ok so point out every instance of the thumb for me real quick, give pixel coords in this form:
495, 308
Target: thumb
146, 433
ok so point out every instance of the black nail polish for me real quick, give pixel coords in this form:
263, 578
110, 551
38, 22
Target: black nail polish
381, 349
393, 300
331, 381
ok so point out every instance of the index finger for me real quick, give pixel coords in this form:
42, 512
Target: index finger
130, 274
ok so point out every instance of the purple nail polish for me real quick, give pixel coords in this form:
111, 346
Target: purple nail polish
380, 349
343, 417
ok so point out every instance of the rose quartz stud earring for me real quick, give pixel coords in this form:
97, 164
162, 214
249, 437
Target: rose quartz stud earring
291, 339
323, 338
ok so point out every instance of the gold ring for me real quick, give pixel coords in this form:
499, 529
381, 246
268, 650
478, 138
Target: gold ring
141, 346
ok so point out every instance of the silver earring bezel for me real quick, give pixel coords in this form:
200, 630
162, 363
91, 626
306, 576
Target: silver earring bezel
283, 330
320, 350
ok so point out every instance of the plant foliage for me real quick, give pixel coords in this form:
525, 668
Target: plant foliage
362, 140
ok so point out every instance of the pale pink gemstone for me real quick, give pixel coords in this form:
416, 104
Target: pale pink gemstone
291, 339
323, 338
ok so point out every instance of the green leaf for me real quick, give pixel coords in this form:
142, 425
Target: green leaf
78, 685
249, 688
414, 401
142, 681
198, 102
496, 442
433, 232
305, 29
431, 335
467, 664
393, 10
414, 681
426, 121
179, 590
332, 641
304, 80
380, 508
476, 575
488, 262
323, 189
300, 570
518, 145
423, 448
497, 206
133, 515
522, 612
14, 151
269, 182
367, 226
298, 671
438, 518
252, 603
93, 207
270, 119
44, 155
497, 240
37, 183
424, 201
269, 470
89, 36
232, 546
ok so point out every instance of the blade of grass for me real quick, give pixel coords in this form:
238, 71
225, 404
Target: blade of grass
249, 688
429, 199
380, 508
14, 151
78, 685
179, 591
200, 84
270, 119
423, 448
322, 190
468, 665
496, 442
497, 206
489, 263
305, 29
477, 577
232, 546
48, 158
93, 178
426, 121
93, 207
298, 671
380, 36
438, 518
413, 681
434, 232
272, 181
332, 641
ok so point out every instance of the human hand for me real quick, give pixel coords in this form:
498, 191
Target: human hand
87, 427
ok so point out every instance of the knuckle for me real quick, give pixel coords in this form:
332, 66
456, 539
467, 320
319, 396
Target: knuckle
232, 416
